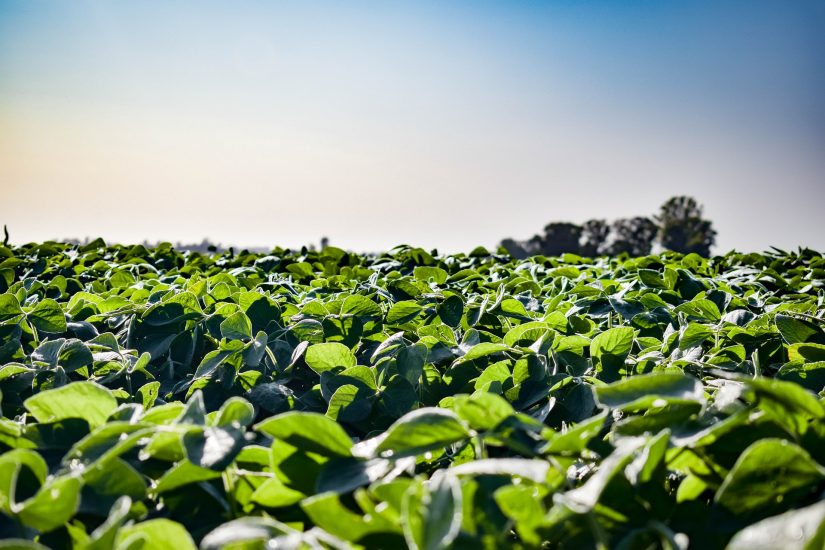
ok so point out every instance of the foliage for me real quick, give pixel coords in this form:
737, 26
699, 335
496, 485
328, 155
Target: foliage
679, 227
632, 236
682, 228
153, 398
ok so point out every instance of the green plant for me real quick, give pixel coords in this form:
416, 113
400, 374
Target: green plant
152, 398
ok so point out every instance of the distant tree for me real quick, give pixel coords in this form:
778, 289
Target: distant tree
514, 248
682, 227
632, 235
559, 238
594, 237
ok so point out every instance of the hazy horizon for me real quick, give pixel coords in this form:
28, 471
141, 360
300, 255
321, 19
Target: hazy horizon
441, 125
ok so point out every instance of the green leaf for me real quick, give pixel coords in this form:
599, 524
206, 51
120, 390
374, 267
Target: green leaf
403, 312
802, 529
308, 431
9, 307
585, 498
788, 403
213, 448
451, 310
327, 512
272, 493
175, 309
21, 544
425, 274
431, 513
797, 331
609, 350
235, 411
344, 475
183, 473
53, 505
768, 472
638, 392
87, 400
256, 349
243, 533
482, 350
482, 411
615, 341
154, 533
10, 464
703, 309
423, 430
237, 327
806, 352
329, 355
526, 334
349, 404
103, 537
534, 470
48, 317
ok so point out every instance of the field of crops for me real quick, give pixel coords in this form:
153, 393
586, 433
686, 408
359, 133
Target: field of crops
302, 399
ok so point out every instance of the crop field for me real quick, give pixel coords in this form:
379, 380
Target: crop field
153, 398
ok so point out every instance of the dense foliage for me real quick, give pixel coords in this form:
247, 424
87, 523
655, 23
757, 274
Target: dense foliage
154, 399
679, 226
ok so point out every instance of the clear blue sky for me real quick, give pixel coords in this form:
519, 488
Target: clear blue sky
443, 124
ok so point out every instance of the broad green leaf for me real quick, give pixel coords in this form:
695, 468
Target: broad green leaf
425, 274
9, 307
183, 473
431, 512
214, 448
482, 411
703, 309
53, 505
87, 400
528, 333
615, 341
797, 331
768, 472
534, 470
47, 316
10, 464
326, 511
347, 474
272, 493
609, 350
329, 355
103, 537
583, 499
642, 391
403, 312
176, 309
154, 533
246, 532
423, 430
349, 404
237, 327
451, 310
806, 352
802, 529
482, 350
308, 431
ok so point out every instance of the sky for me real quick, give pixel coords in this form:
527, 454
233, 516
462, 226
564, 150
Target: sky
444, 124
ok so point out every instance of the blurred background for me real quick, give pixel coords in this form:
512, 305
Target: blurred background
438, 124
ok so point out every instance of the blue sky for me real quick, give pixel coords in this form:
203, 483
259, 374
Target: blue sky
443, 124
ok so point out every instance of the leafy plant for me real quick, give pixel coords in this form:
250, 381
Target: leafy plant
323, 399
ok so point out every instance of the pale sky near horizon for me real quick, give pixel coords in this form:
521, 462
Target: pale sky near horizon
439, 124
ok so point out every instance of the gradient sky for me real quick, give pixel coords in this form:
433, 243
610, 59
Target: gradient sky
441, 124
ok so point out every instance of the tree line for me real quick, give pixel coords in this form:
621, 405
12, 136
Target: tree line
679, 226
